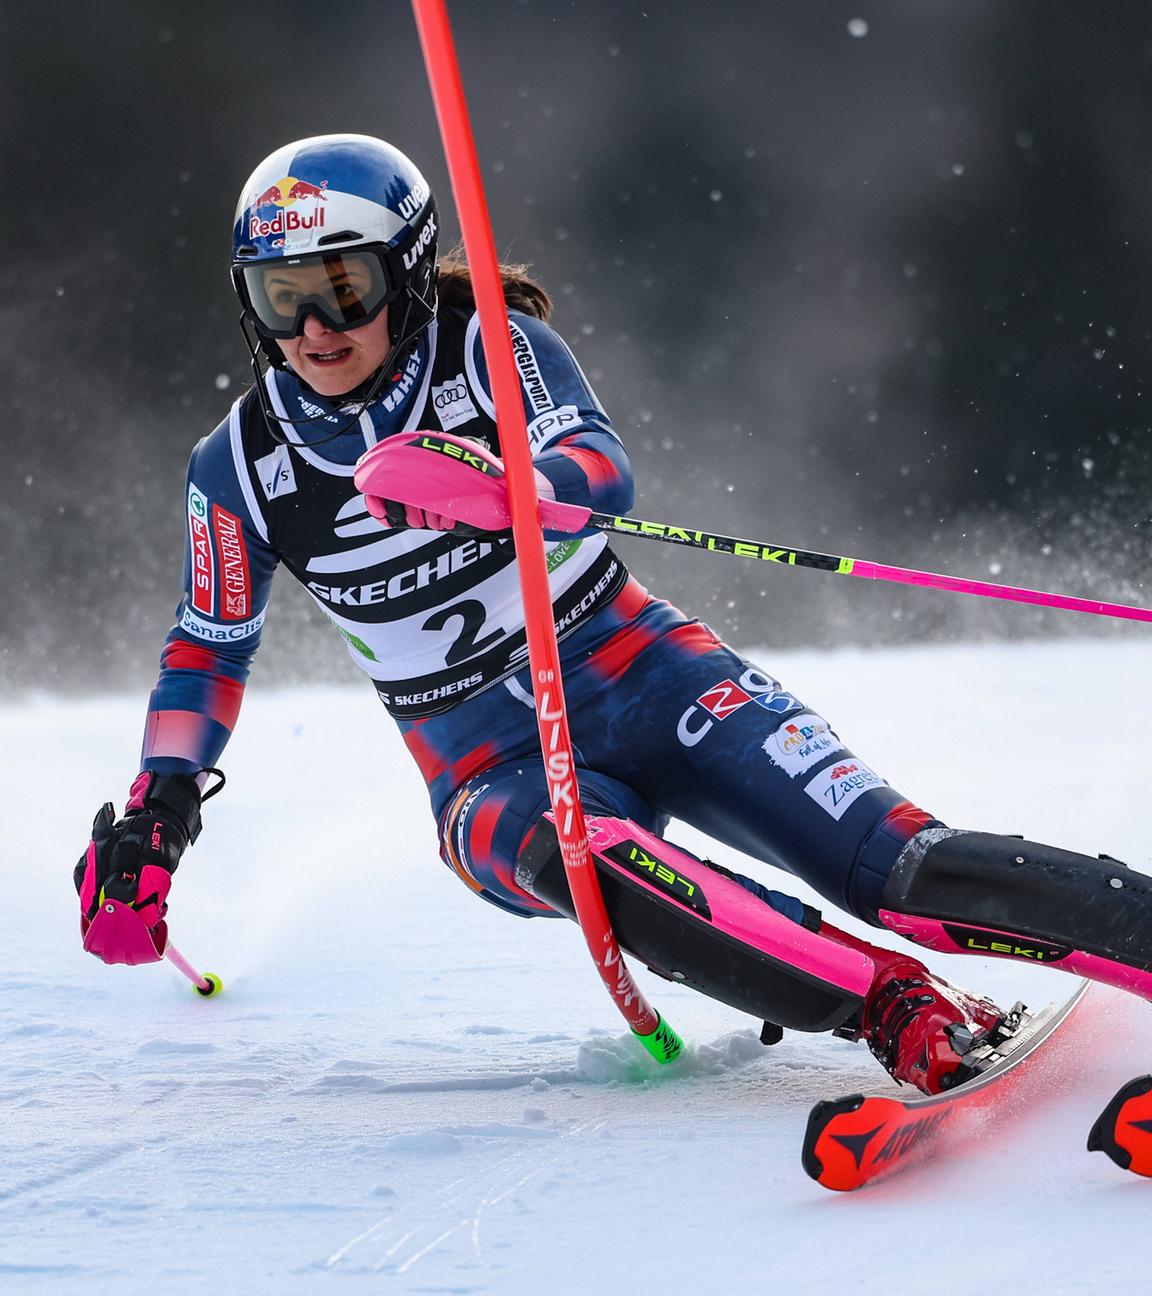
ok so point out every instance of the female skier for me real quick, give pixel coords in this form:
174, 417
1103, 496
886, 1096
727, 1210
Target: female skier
369, 342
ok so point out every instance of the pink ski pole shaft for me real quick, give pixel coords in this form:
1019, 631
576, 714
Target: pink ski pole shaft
207, 985
787, 556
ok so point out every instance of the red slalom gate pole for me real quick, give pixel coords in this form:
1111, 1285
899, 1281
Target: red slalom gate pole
543, 654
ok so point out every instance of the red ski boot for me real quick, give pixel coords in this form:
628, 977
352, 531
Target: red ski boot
921, 1029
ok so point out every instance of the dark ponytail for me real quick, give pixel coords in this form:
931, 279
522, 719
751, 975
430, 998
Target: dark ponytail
521, 293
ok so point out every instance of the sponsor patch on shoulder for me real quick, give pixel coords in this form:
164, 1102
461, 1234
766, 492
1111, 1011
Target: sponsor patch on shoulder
203, 575
800, 743
232, 556
551, 424
453, 403
531, 379
838, 786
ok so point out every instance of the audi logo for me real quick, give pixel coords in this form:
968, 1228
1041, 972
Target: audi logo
450, 395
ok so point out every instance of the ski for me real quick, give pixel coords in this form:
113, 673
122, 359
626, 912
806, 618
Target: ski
853, 1141
1123, 1129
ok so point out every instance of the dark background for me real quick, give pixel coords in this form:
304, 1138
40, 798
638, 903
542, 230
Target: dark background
883, 294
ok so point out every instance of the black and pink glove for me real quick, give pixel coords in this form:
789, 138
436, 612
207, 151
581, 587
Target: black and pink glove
400, 517
124, 876
448, 483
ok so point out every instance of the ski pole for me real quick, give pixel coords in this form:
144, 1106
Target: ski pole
767, 552
569, 518
655, 1034
207, 985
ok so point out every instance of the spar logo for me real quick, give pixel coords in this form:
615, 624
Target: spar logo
203, 570
232, 554
285, 194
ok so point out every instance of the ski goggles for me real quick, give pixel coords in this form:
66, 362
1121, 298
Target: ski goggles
344, 290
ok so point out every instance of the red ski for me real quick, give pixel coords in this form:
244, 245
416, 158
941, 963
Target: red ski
853, 1141
1124, 1128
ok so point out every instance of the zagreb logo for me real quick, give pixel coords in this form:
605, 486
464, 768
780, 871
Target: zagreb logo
837, 788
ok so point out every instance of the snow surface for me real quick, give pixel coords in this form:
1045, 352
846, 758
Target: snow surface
404, 1090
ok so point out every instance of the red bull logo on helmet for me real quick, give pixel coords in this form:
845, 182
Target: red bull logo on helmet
285, 194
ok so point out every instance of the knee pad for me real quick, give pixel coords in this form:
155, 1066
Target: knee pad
693, 925
979, 893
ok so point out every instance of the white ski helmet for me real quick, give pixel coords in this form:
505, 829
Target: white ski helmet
314, 202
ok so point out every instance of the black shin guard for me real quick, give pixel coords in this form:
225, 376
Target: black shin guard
681, 941
1061, 901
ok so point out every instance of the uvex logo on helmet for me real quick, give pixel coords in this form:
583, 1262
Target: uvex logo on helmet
416, 251
412, 201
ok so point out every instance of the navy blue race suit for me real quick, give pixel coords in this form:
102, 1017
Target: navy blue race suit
665, 719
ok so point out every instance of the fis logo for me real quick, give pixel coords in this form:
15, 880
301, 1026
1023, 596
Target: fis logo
276, 473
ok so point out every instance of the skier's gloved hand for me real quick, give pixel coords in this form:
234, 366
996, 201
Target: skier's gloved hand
400, 517
440, 482
124, 876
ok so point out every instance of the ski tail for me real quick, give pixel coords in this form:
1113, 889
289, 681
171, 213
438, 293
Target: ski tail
1123, 1130
855, 1140
852, 1141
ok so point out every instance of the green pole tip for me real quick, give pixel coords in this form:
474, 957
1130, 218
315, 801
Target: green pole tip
663, 1043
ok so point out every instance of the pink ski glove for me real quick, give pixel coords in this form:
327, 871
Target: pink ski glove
448, 483
124, 877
